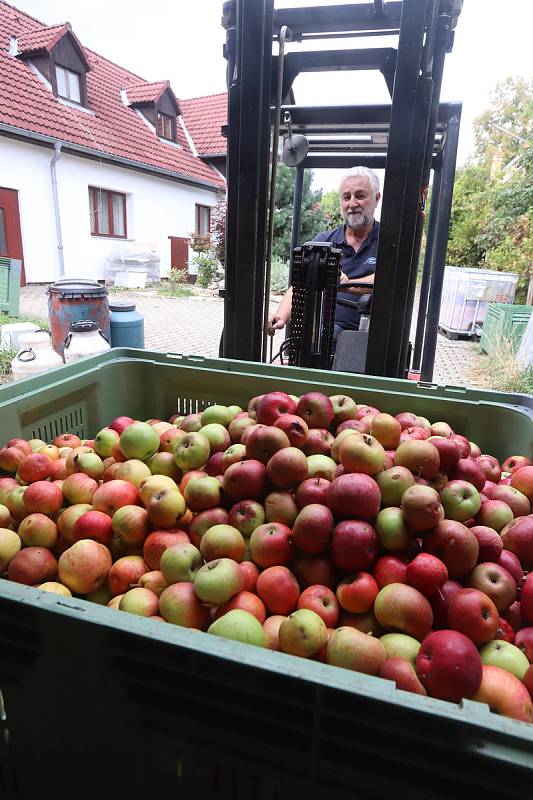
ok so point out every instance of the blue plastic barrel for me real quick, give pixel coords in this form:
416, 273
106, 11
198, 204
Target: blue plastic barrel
127, 325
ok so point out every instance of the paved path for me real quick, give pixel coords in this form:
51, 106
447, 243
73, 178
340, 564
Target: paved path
193, 325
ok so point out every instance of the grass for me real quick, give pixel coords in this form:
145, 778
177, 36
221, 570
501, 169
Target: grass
502, 371
175, 285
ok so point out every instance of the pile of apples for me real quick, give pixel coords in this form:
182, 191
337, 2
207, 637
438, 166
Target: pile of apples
388, 545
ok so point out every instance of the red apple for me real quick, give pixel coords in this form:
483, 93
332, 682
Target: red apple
490, 543
93, 525
421, 507
120, 424
42, 497
389, 569
246, 516
439, 603
496, 582
265, 440
321, 600
517, 502
505, 694
312, 490
84, 567
513, 463
32, 565
356, 593
271, 544
280, 506
273, 405
464, 444
245, 480
473, 613
250, 573
419, 456
295, 427
354, 496
426, 573
125, 571
271, 628
354, 546
179, 604
414, 432
524, 640
526, 600
455, 544
490, 466
512, 564
246, 601
316, 409
402, 608
278, 589
315, 569
517, 536
313, 528
505, 631
402, 673
287, 468
449, 451
449, 666
114, 494
521, 479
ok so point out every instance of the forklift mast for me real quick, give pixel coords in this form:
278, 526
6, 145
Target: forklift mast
408, 138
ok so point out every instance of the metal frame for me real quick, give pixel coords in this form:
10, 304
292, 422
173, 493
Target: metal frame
406, 138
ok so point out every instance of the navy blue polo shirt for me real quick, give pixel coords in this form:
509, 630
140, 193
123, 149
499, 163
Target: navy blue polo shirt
354, 265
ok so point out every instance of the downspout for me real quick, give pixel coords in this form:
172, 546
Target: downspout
53, 162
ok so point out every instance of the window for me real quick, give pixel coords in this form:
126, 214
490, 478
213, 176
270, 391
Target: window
203, 220
165, 126
108, 213
68, 84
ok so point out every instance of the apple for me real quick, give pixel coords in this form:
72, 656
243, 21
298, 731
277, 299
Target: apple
272, 406
449, 451
217, 435
246, 515
419, 456
247, 601
11, 458
271, 627
504, 694
393, 532
265, 440
169, 439
180, 562
496, 582
402, 608
356, 593
294, 427
124, 572
354, 545
517, 536
490, 543
203, 493
250, 573
165, 507
312, 490
524, 641
32, 565
280, 506
386, 429
490, 466
180, 605
366, 411
421, 507
238, 425
192, 451
303, 633
157, 542
403, 673
222, 460
55, 588
365, 622
139, 440
344, 408
84, 567
354, 425
239, 625
287, 468
505, 655
354, 496
494, 514
392, 483
79, 488
313, 528
93, 525
315, 569
473, 613
133, 470
140, 601
120, 424
222, 541
467, 469
131, 524
517, 502
449, 666
321, 466
321, 600
426, 573
316, 409
271, 544
526, 600
455, 545
35, 467
245, 480
6, 485
352, 649
113, 495
217, 581
389, 569
460, 500
278, 589
216, 413
400, 645
154, 581
10, 545
319, 441
414, 432
362, 453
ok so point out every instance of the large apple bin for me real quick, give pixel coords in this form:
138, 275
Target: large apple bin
98, 703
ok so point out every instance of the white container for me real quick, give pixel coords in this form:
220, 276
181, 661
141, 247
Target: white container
131, 279
10, 333
35, 356
84, 339
466, 294
524, 354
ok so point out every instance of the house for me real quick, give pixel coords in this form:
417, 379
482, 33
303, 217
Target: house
98, 167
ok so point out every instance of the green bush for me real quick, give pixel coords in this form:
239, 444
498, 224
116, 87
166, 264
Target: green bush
208, 268
176, 284
279, 275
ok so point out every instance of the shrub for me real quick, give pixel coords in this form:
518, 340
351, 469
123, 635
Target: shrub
208, 269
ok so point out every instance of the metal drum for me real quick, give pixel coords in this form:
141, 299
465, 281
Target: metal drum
73, 299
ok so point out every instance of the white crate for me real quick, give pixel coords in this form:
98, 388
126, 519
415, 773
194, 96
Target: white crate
466, 294
131, 280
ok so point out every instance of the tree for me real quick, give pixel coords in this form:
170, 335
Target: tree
312, 219
331, 209
492, 219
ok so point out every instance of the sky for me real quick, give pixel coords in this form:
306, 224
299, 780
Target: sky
181, 40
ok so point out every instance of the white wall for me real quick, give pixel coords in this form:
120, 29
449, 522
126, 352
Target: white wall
156, 209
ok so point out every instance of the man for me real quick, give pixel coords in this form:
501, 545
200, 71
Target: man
358, 239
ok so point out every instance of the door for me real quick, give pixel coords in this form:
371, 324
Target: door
179, 252
10, 235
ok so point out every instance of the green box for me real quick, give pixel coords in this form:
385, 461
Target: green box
95, 699
10, 269
504, 323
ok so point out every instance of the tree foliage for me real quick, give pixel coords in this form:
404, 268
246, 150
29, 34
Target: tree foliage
492, 213
312, 217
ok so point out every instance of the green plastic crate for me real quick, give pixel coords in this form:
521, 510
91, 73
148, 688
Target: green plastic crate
504, 323
10, 285
95, 699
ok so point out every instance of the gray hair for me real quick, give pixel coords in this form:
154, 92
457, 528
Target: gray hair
363, 172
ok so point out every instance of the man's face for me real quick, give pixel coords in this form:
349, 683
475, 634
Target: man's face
358, 202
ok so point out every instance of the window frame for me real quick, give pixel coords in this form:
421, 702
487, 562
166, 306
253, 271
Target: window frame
93, 210
68, 72
162, 121
198, 210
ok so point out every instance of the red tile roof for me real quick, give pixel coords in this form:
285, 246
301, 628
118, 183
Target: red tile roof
146, 92
113, 129
44, 39
204, 117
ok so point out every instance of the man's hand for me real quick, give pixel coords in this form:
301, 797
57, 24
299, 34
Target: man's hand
275, 323
368, 280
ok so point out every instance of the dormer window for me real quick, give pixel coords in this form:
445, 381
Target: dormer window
166, 126
68, 84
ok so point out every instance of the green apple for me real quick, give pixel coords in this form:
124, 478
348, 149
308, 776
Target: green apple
216, 413
302, 633
104, 441
217, 581
321, 466
180, 562
218, 436
139, 440
239, 625
10, 544
392, 529
192, 451
505, 655
400, 645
